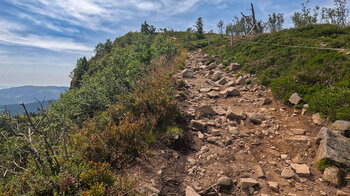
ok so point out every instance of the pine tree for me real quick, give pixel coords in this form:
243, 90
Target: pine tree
199, 27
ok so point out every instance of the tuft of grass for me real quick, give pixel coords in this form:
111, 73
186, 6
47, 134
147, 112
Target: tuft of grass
323, 164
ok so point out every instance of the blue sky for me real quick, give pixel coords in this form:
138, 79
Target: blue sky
40, 40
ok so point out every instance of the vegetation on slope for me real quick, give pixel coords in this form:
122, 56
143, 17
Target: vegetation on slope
121, 100
295, 60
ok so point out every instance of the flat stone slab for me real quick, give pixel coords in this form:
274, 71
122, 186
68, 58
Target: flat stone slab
247, 182
333, 146
301, 169
299, 138
342, 125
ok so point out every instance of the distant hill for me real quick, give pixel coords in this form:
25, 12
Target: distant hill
15, 109
29, 94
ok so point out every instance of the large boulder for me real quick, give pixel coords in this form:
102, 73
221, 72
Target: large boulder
295, 99
187, 73
333, 147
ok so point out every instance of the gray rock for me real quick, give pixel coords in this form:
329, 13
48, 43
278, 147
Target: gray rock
217, 76
266, 101
240, 80
333, 146
287, 173
231, 83
211, 83
230, 92
259, 172
317, 119
342, 125
205, 110
212, 66
220, 110
299, 131
234, 130
295, 99
234, 66
205, 90
256, 118
332, 175
224, 182
199, 125
223, 81
191, 192
213, 94
247, 182
273, 186
213, 139
235, 114
215, 132
187, 73
301, 169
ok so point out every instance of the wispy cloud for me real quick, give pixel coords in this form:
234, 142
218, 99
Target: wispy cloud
14, 33
93, 14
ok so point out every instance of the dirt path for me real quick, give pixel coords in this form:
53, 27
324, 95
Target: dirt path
244, 142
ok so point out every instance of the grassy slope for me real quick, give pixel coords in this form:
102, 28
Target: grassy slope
321, 77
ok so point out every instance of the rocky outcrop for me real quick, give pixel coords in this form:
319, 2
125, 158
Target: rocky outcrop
333, 147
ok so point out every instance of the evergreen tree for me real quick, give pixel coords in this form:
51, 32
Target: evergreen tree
199, 27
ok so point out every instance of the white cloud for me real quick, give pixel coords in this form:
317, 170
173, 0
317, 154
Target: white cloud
93, 14
13, 33
149, 6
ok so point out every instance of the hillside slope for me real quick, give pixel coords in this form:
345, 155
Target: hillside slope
285, 61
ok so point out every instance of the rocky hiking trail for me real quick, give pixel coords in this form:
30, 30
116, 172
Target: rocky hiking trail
238, 140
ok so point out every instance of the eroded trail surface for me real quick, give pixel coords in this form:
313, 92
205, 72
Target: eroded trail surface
243, 141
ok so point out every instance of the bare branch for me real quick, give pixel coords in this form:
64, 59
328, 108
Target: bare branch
19, 166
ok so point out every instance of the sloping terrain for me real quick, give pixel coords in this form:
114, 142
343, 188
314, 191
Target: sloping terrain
239, 140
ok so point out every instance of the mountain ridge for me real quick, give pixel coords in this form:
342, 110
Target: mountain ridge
29, 94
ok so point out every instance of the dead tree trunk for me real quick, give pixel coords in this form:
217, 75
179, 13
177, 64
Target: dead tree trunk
257, 27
